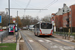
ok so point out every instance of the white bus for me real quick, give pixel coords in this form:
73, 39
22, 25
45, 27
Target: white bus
43, 28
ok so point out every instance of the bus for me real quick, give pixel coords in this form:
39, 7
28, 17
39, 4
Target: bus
43, 28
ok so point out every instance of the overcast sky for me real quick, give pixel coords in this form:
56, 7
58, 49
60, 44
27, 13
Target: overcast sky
51, 5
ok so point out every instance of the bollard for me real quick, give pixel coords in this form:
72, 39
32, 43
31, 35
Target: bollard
65, 35
2, 39
74, 36
16, 38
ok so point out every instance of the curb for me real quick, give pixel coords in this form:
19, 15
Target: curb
17, 46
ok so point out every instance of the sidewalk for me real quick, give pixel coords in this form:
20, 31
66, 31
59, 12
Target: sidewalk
63, 38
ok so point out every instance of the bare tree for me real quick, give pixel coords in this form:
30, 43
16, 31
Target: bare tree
46, 18
28, 20
18, 20
5, 19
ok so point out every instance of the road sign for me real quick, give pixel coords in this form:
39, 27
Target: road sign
14, 21
52, 22
0, 19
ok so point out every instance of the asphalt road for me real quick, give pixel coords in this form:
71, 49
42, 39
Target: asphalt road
45, 43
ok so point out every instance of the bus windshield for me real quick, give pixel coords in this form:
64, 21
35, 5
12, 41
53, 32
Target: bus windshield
46, 26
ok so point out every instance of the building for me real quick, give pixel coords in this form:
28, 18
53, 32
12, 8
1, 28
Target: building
62, 15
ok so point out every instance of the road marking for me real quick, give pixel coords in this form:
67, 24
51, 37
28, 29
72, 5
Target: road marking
61, 47
55, 46
68, 47
40, 40
66, 40
57, 40
31, 41
51, 43
47, 41
21, 40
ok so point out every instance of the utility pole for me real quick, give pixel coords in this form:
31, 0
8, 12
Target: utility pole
71, 20
17, 19
9, 9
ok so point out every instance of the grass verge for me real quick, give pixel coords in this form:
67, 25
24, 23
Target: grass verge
8, 46
62, 33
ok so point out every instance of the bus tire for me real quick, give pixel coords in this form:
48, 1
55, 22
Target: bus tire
38, 34
35, 34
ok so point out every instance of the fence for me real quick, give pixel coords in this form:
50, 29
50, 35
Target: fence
66, 34
5, 38
3, 35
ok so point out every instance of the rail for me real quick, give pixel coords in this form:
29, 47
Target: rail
25, 40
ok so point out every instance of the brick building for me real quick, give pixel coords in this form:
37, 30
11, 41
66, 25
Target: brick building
63, 14
72, 13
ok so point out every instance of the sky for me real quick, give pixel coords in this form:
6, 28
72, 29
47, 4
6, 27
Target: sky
52, 6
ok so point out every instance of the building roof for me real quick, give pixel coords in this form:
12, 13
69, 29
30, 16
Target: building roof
65, 9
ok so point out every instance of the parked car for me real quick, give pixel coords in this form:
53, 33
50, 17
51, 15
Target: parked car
1, 29
24, 28
31, 27
4, 28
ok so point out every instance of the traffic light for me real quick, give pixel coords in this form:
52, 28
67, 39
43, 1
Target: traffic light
67, 22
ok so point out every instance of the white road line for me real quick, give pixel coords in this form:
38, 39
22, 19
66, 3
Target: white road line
21, 40
57, 40
31, 41
47, 41
66, 40
54, 46
40, 40
51, 43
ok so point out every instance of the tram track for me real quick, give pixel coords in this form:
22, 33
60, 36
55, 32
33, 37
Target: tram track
37, 42
64, 43
59, 41
54, 41
25, 40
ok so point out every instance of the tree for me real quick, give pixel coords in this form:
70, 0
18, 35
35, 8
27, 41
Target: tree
35, 20
18, 21
5, 19
28, 20
46, 18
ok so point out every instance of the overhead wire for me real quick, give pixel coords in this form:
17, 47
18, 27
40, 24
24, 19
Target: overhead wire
17, 4
27, 6
50, 4
21, 6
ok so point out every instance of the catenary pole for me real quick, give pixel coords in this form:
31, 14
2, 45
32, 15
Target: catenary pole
71, 20
9, 9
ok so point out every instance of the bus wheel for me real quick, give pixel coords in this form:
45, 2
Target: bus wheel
35, 34
38, 34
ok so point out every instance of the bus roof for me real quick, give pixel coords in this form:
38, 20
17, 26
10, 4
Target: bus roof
43, 22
